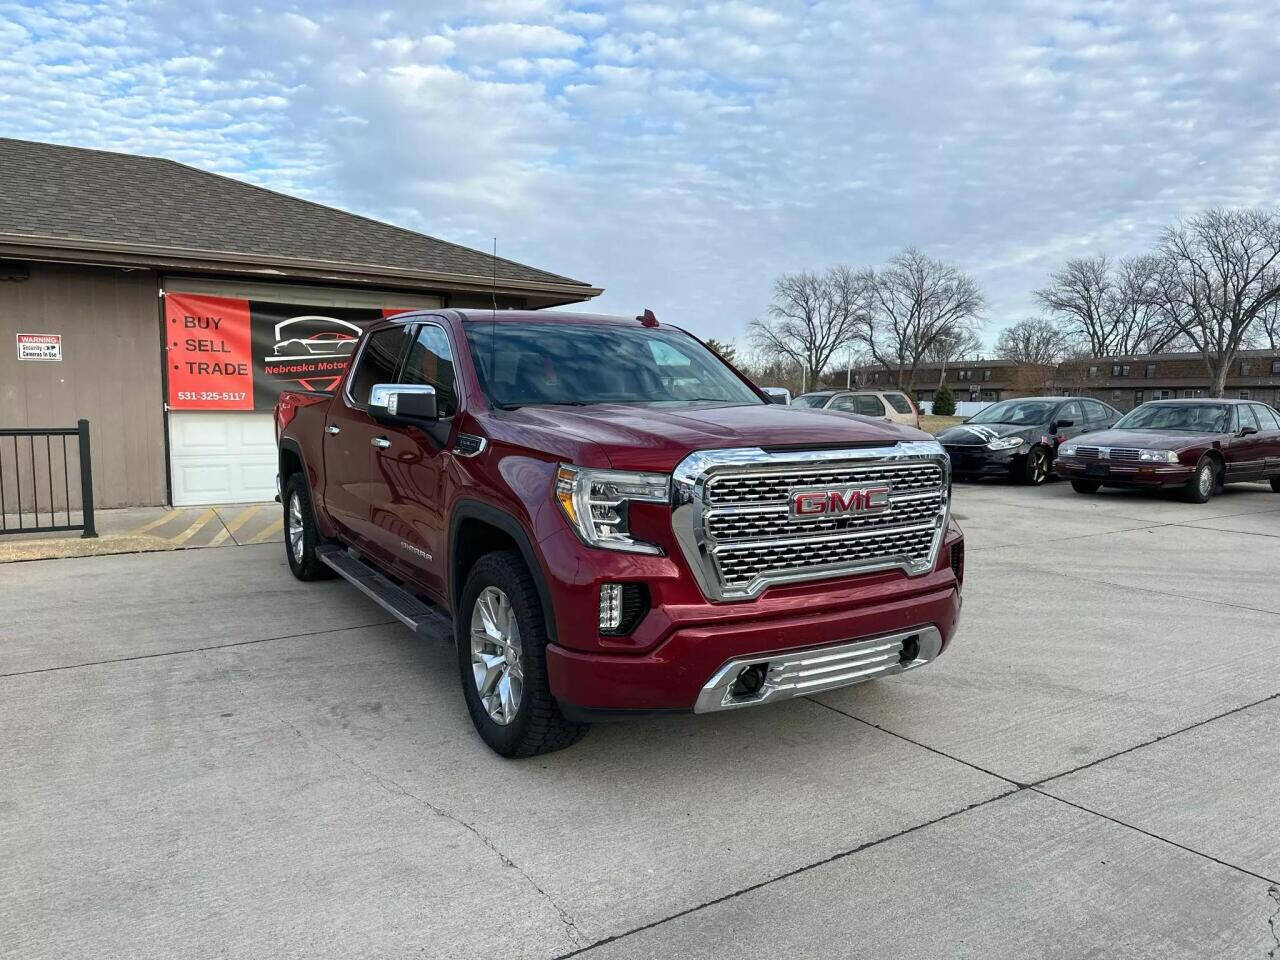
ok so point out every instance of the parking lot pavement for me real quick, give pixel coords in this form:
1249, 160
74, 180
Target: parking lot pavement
206, 758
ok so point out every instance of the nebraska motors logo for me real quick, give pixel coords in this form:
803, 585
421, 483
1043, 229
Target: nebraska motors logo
839, 502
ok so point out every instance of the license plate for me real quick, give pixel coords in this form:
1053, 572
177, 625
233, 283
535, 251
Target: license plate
1097, 470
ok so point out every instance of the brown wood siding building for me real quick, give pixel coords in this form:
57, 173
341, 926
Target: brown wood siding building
110, 375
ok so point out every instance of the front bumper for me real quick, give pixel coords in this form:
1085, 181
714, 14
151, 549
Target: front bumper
686, 671
976, 461
1128, 473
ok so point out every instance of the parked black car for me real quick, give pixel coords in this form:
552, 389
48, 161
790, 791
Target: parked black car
1019, 439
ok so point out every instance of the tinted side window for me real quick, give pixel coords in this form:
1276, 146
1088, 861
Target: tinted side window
845, 404
869, 406
1095, 412
899, 402
1267, 418
430, 362
378, 363
1071, 411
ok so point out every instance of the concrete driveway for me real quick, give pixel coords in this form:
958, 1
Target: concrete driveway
205, 758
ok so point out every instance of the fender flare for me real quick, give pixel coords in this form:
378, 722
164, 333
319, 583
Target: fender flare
508, 524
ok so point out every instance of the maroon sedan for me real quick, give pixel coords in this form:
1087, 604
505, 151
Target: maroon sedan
1194, 445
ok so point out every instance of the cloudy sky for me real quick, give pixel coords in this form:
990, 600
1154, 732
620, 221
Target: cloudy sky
682, 155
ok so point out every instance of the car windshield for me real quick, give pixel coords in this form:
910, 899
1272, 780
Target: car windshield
583, 363
1182, 417
1017, 412
811, 400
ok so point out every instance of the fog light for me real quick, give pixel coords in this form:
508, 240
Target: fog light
610, 606
750, 680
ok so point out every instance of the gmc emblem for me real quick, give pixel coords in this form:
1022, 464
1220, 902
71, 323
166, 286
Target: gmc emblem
820, 501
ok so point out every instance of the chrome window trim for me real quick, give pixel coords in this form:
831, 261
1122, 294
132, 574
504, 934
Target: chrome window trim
688, 490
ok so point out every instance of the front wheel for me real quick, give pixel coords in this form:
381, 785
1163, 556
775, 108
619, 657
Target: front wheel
1200, 487
502, 660
1085, 486
1275, 484
1035, 470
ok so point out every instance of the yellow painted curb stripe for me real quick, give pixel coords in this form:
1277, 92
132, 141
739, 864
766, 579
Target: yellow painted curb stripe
271, 531
228, 529
151, 525
190, 532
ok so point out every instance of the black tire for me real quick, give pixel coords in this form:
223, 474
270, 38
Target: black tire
1085, 486
301, 552
1036, 467
1275, 484
537, 726
1203, 483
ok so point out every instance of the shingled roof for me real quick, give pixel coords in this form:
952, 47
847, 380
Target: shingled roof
91, 199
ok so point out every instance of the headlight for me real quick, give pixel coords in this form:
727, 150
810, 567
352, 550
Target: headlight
1158, 456
595, 504
1068, 451
1005, 443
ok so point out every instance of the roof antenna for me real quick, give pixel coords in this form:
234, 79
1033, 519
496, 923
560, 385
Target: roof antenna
493, 316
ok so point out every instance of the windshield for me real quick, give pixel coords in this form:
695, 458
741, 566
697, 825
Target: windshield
811, 400
1183, 417
1017, 412
578, 364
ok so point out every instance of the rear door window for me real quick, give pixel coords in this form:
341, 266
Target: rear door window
1267, 418
379, 361
899, 402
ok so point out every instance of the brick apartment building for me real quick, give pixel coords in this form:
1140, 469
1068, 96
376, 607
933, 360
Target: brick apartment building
1123, 382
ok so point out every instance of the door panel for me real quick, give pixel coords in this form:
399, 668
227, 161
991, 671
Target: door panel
409, 522
353, 484
1245, 456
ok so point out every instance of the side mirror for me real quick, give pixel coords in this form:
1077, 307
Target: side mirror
1059, 424
404, 400
1245, 431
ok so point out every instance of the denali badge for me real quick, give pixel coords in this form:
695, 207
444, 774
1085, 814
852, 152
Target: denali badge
823, 501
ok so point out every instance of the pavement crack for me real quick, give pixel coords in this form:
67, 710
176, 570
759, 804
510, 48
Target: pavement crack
394, 788
1274, 922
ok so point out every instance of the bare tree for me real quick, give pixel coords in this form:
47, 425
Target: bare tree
1034, 341
917, 305
1109, 305
1266, 334
1218, 273
811, 317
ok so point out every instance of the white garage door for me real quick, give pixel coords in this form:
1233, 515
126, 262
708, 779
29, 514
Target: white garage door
221, 457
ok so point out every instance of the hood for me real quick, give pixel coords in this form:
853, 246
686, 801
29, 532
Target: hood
1148, 439
657, 437
979, 434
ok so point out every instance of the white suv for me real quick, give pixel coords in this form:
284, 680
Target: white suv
889, 405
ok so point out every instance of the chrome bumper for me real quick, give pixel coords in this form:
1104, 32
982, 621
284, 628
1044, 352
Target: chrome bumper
797, 673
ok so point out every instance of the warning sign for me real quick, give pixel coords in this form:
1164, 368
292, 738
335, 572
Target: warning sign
39, 346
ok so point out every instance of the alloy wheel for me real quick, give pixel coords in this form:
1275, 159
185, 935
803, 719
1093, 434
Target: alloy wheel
295, 527
495, 655
1039, 467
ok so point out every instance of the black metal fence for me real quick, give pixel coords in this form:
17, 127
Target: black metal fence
37, 490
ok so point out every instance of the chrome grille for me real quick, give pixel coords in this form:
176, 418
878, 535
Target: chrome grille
1124, 453
733, 516
1087, 453
773, 487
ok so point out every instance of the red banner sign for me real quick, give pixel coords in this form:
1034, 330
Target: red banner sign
231, 354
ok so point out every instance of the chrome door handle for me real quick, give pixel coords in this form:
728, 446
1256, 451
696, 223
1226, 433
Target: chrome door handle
381, 442
333, 428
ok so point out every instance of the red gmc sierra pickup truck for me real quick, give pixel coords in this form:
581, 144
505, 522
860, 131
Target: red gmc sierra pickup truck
612, 520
